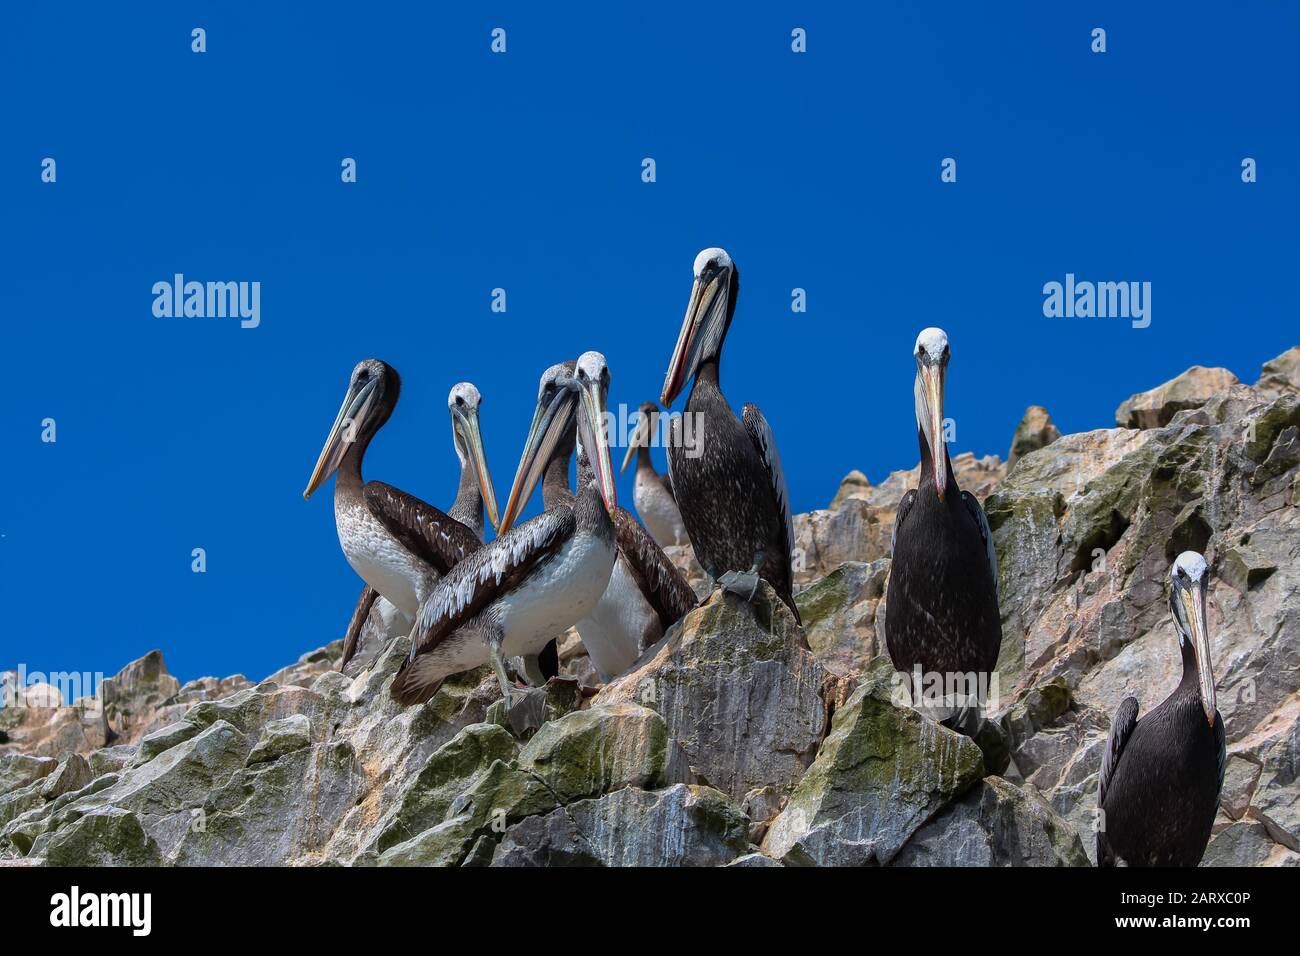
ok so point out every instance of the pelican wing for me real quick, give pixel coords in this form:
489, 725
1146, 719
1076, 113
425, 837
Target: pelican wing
982, 521
433, 536
492, 571
760, 433
1121, 729
656, 577
900, 515
359, 615
1220, 738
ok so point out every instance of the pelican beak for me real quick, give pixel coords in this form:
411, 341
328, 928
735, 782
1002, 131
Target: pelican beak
467, 420
550, 422
356, 406
639, 437
705, 293
592, 422
1193, 600
929, 394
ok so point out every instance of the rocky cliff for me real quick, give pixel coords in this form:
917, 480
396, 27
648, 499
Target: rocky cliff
731, 742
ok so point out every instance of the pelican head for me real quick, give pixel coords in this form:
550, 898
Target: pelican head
551, 431
1188, 581
462, 402
370, 398
708, 315
593, 426
647, 423
931, 352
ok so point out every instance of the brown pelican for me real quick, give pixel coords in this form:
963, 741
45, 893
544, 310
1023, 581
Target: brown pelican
398, 544
646, 593
510, 597
1161, 775
475, 488
941, 610
729, 484
652, 492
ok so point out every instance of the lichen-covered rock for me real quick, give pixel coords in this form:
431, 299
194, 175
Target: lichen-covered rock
105, 836
132, 695
1157, 407
882, 774
841, 613
737, 690
18, 770
681, 826
605, 748
995, 824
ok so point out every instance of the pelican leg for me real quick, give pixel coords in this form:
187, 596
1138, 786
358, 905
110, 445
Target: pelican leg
508, 690
743, 584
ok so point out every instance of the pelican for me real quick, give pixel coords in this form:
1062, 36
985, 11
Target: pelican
730, 487
652, 492
941, 610
1161, 775
509, 598
646, 593
475, 487
398, 544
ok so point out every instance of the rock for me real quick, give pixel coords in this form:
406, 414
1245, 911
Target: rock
73, 773
280, 737
737, 690
557, 697
1238, 786
680, 826
110, 759
1276, 800
881, 775
132, 695
754, 859
605, 748
1247, 843
427, 797
1036, 430
839, 616
106, 836
995, 824
18, 770
165, 738
1156, 408
854, 485
1281, 375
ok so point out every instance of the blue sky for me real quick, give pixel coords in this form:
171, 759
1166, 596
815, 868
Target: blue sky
523, 171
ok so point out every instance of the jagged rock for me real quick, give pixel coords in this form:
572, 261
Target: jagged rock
840, 615
737, 690
854, 485
280, 737
1281, 375
1156, 408
754, 859
680, 826
1036, 430
110, 759
1238, 786
996, 824
133, 694
1276, 800
605, 748
73, 773
106, 836
882, 773
428, 795
1247, 843
18, 770
164, 739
